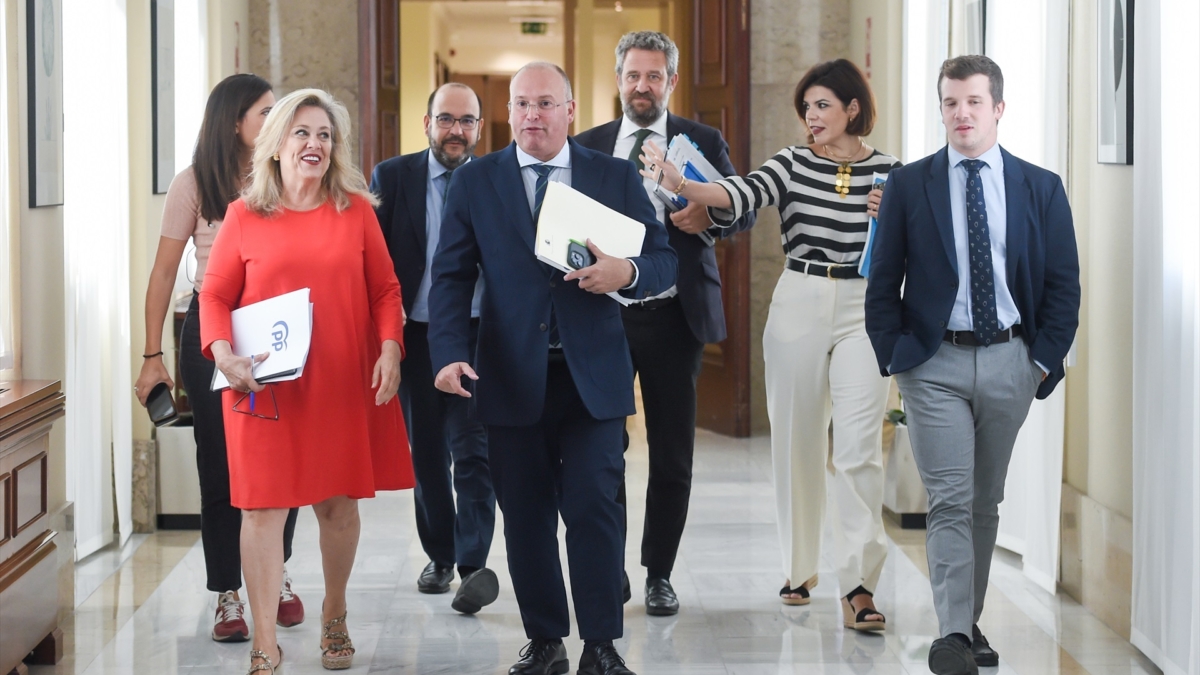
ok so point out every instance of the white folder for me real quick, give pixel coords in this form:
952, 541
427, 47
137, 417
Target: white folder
280, 326
569, 215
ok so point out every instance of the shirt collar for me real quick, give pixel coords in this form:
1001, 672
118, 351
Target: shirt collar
561, 161
435, 167
992, 158
629, 128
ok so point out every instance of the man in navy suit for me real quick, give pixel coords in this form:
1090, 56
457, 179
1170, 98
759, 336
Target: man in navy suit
443, 429
552, 376
667, 332
983, 246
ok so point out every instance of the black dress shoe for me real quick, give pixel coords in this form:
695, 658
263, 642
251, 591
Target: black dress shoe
478, 590
601, 658
660, 598
626, 591
985, 656
542, 657
435, 578
949, 656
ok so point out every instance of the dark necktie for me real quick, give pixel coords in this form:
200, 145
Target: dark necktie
636, 156
539, 188
446, 185
984, 320
539, 195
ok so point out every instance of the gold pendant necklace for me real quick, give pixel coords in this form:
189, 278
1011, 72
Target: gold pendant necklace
841, 185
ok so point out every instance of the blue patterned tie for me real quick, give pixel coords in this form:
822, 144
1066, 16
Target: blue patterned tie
985, 323
539, 194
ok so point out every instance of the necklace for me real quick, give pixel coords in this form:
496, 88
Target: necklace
842, 184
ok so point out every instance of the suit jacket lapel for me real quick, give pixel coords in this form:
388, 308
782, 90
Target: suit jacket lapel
510, 191
937, 190
608, 135
1016, 204
414, 182
586, 176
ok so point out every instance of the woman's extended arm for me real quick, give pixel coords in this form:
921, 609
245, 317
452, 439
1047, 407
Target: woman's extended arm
707, 194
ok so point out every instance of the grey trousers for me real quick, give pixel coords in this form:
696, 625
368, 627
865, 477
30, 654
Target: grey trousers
965, 406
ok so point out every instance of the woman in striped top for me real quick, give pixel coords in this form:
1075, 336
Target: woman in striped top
819, 363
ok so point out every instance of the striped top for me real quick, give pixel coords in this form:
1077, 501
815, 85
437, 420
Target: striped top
817, 224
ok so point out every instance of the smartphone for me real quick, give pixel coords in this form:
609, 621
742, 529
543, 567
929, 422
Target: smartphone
578, 255
161, 406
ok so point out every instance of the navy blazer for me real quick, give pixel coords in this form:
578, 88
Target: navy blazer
914, 248
699, 282
400, 184
488, 226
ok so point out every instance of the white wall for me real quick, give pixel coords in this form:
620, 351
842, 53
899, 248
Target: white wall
1099, 438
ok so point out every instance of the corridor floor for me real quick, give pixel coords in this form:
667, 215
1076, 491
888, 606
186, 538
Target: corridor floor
144, 609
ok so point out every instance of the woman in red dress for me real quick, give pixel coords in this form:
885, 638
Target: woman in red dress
336, 434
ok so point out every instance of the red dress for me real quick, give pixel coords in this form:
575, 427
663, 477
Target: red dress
330, 439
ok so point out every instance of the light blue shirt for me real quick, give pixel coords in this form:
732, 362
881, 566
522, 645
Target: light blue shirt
561, 174
992, 175
435, 185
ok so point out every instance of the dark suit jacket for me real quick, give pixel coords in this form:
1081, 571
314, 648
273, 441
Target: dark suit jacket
699, 282
400, 184
488, 225
914, 246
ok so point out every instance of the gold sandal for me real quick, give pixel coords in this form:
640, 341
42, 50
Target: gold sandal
268, 666
343, 644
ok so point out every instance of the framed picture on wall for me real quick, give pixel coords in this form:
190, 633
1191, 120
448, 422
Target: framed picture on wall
162, 83
45, 57
1114, 54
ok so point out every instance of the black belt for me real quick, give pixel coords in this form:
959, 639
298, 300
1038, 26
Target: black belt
827, 271
654, 303
966, 338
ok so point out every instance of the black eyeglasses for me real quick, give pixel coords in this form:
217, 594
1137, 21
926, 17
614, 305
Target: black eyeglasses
467, 122
257, 411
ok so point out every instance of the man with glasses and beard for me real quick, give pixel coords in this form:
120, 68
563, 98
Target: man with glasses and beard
667, 332
444, 430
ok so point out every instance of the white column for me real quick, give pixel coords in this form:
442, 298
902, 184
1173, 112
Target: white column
1165, 612
96, 238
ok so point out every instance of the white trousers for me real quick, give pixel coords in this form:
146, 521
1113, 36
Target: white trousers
820, 366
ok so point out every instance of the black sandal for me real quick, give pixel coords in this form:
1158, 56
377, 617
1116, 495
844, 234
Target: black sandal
787, 590
859, 621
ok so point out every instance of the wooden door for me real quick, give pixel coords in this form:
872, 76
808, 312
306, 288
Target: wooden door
379, 81
720, 73
492, 90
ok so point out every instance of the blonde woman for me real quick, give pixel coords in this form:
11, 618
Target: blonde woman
335, 435
196, 204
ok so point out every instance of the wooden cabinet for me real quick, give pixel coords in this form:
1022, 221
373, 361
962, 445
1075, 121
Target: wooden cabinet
28, 551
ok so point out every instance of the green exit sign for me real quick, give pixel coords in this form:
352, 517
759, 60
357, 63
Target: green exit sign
533, 27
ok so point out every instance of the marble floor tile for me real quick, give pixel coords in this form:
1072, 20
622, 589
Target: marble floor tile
144, 608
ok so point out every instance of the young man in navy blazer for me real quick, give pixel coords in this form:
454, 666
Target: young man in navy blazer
443, 429
667, 333
983, 246
552, 375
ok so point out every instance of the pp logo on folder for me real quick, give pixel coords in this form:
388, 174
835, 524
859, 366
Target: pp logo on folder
279, 335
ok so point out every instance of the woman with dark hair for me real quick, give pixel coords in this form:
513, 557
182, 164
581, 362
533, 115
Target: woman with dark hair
195, 207
819, 362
